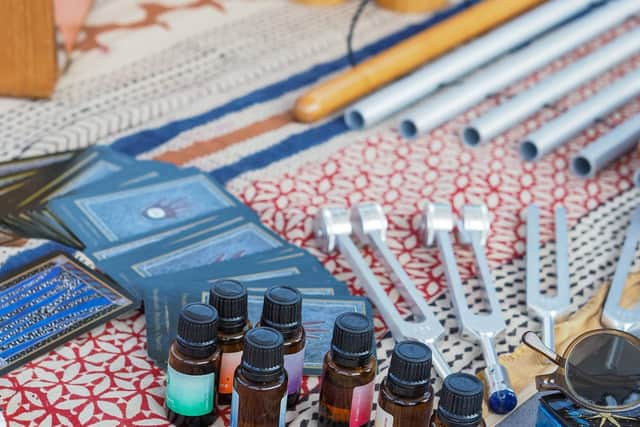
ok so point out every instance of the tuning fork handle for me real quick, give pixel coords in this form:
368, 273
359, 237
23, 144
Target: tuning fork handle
403, 283
386, 308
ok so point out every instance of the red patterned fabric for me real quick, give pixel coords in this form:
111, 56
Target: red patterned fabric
104, 377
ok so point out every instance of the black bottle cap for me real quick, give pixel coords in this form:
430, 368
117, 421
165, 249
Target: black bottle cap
263, 356
352, 342
229, 297
461, 400
197, 329
282, 309
410, 370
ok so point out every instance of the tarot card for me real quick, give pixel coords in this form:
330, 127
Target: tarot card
104, 253
245, 270
50, 302
6, 239
20, 165
224, 241
321, 285
318, 316
103, 219
162, 310
91, 165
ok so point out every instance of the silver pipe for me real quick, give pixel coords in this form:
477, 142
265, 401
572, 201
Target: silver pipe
452, 66
549, 90
607, 148
501, 118
636, 178
452, 101
559, 130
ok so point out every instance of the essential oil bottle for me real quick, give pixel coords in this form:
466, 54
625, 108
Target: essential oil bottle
406, 394
260, 384
460, 402
229, 297
282, 311
347, 385
194, 362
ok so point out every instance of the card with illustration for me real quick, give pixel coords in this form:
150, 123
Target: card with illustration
17, 166
162, 309
225, 241
47, 303
313, 284
130, 245
245, 270
115, 216
318, 316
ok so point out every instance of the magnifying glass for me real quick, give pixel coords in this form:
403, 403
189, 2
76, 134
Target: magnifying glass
600, 370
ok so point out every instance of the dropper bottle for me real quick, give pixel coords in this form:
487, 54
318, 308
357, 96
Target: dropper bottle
460, 402
260, 385
282, 311
406, 394
349, 370
194, 361
230, 298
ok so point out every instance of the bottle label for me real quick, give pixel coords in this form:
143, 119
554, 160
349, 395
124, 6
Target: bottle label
294, 365
235, 405
190, 395
361, 401
383, 418
235, 408
228, 365
283, 411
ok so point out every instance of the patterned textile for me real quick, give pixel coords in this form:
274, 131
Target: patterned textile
208, 83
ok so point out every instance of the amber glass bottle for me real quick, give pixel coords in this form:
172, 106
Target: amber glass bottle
460, 402
260, 384
230, 299
349, 370
194, 362
282, 311
406, 395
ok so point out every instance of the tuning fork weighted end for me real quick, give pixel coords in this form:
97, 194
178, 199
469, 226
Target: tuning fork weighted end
438, 223
333, 228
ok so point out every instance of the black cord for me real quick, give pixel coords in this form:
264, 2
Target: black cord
352, 27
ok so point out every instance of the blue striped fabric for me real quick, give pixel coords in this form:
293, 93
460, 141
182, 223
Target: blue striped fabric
283, 149
146, 140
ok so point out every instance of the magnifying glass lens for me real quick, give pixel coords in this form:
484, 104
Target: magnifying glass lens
604, 370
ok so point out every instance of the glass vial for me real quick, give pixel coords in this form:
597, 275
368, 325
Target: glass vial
194, 361
260, 384
282, 311
229, 297
460, 402
406, 395
347, 383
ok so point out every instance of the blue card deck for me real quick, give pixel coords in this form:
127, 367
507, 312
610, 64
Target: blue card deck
51, 301
163, 234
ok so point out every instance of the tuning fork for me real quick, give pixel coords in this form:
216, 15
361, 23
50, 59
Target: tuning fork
613, 315
333, 228
547, 307
438, 223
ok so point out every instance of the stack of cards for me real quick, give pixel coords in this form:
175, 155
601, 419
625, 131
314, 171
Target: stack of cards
165, 234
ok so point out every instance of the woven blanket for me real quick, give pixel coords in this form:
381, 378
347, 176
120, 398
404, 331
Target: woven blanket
209, 83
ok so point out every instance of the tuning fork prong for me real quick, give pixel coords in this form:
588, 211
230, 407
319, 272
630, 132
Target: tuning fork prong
547, 307
370, 227
613, 314
333, 229
473, 229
